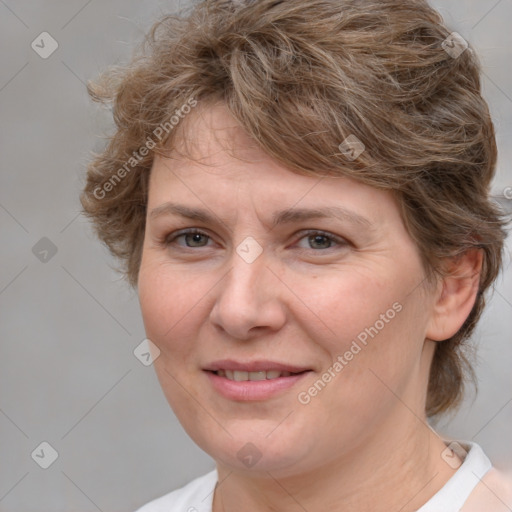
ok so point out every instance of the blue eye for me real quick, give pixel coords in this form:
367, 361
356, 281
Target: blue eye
193, 238
315, 240
318, 240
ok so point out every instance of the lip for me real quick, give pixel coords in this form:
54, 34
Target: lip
257, 390
259, 365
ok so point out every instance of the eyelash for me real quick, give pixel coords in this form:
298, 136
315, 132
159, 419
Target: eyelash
170, 239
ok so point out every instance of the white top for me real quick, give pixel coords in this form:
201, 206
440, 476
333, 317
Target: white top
494, 494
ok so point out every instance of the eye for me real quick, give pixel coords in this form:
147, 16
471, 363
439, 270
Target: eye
319, 240
312, 240
191, 238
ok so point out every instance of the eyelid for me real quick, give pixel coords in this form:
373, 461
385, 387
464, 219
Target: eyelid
171, 237
339, 241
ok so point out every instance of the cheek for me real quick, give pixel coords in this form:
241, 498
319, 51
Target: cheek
370, 319
343, 304
170, 303
370, 357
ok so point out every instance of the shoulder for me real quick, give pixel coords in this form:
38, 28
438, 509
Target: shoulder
476, 486
196, 496
492, 494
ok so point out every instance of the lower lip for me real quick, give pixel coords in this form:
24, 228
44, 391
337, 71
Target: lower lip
251, 390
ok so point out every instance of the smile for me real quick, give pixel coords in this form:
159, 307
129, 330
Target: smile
253, 381
241, 376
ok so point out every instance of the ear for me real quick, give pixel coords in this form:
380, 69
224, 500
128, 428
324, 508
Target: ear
456, 295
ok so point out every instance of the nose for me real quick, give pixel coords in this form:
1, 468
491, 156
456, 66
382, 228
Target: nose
248, 301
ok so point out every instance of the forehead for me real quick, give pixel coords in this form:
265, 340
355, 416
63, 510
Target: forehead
215, 164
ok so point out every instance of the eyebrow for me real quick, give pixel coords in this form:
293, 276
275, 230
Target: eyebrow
287, 216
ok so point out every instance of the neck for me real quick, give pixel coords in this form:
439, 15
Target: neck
398, 469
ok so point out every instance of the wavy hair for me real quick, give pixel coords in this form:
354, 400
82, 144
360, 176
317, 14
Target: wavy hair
300, 77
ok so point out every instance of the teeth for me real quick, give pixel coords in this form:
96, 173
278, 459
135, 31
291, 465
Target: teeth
241, 376
257, 375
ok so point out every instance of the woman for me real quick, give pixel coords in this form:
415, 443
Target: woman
299, 192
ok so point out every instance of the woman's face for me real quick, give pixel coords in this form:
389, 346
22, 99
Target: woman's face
309, 287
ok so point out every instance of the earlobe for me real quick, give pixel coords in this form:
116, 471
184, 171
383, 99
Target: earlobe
456, 295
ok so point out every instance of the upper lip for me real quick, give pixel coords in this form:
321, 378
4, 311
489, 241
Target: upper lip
254, 366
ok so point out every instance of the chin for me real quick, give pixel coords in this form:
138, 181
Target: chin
255, 447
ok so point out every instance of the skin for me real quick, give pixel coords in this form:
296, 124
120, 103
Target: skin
362, 443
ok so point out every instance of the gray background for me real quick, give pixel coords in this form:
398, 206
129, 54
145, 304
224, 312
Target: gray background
69, 325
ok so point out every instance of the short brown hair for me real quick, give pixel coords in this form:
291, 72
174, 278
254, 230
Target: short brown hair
301, 76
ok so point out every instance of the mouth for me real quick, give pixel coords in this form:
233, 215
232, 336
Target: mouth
242, 376
253, 381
